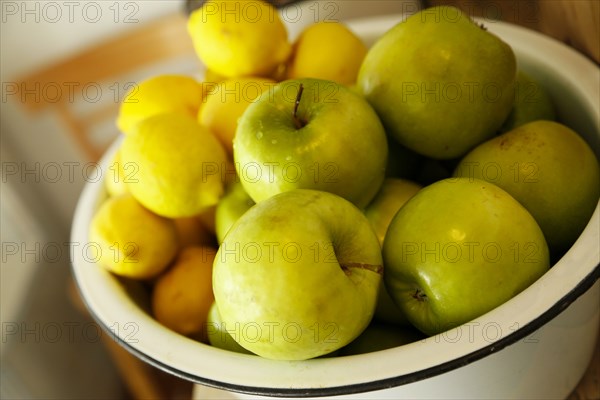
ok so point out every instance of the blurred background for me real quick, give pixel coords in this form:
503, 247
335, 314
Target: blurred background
64, 68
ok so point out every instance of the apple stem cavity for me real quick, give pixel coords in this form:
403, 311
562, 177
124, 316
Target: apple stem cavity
419, 295
347, 267
298, 122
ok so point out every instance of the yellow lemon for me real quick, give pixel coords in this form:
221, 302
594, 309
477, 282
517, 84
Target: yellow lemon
182, 296
115, 176
159, 94
118, 175
132, 241
239, 38
211, 77
178, 163
226, 102
327, 50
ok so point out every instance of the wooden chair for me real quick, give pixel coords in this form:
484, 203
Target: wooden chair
141, 380
57, 88
61, 87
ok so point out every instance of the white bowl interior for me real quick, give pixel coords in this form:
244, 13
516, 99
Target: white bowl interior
121, 306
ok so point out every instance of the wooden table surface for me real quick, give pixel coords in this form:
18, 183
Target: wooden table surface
589, 386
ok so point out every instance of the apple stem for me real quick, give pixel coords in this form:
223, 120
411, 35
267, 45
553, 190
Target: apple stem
298, 121
419, 295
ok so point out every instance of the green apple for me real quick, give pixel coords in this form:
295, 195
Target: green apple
392, 195
459, 248
234, 203
297, 275
549, 169
440, 83
532, 103
380, 336
380, 212
311, 134
402, 162
218, 334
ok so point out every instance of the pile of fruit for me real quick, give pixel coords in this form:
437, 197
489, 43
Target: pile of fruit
318, 197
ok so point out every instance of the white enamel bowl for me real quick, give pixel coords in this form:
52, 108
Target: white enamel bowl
537, 345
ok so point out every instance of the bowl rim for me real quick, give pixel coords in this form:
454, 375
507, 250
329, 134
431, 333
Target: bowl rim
156, 350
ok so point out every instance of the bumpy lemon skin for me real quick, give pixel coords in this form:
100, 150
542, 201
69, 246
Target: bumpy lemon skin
239, 38
182, 296
327, 50
157, 95
130, 240
179, 165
